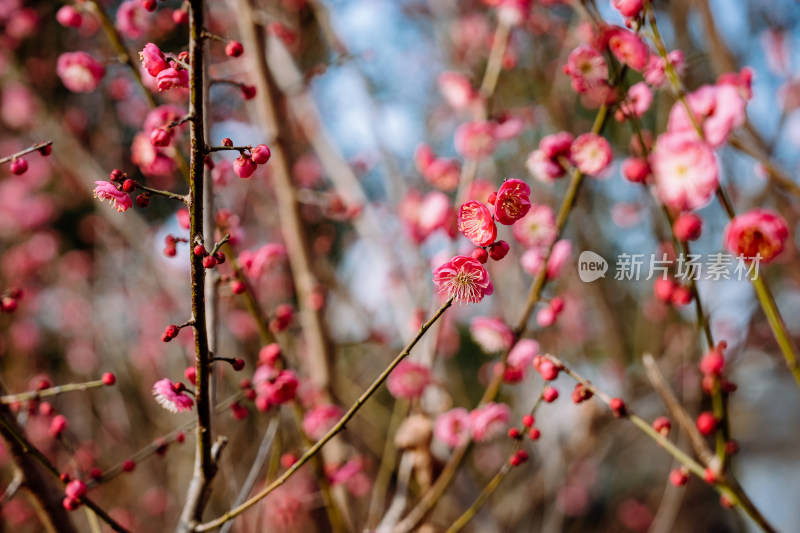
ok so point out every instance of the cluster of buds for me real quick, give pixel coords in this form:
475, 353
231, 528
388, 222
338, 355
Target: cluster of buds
527, 425
246, 164
210, 260
170, 243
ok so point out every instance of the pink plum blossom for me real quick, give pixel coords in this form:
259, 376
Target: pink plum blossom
133, 20
153, 59
464, 279
718, 109
545, 163
636, 103
408, 380
491, 334
319, 420
475, 140
655, 73
152, 161
273, 387
685, 171
590, 153
79, 72
255, 263
172, 396
523, 352
106, 190
513, 201
171, 77
69, 17
457, 90
586, 68
627, 47
476, 223
628, 8
537, 228
757, 232
453, 427
489, 421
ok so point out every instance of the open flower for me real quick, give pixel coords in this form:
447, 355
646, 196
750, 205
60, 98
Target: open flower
79, 72
475, 222
453, 427
153, 59
758, 232
172, 77
106, 190
319, 420
591, 153
513, 201
491, 334
537, 228
408, 379
489, 421
464, 279
172, 396
685, 171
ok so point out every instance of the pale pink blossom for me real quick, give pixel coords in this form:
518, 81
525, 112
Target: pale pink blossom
79, 72
453, 427
475, 140
523, 352
171, 77
685, 171
106, 190
718, 109
476, 223
489, 421
513, 201
273, 387
628, 8
408, 380
172, 396
742, 80
636, 103
319, 420
512, 12
655, 73
153, 59
69, 17
586, 68
546, 163
558, 257
133, 20
757, 232
457, 90
435, 212
627, 47
491, 334
151, 161
444, 174
537, 228
591, 153
464, 279
255, 263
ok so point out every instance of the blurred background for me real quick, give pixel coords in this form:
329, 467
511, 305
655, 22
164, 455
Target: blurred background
358, 90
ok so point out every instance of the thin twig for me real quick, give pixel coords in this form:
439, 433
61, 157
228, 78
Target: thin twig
33, 148
339, 426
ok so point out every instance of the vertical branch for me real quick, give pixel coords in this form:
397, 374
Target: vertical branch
205, 466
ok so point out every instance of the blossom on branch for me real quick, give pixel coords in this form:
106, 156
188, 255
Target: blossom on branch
464, 279
106, 190
172, 396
